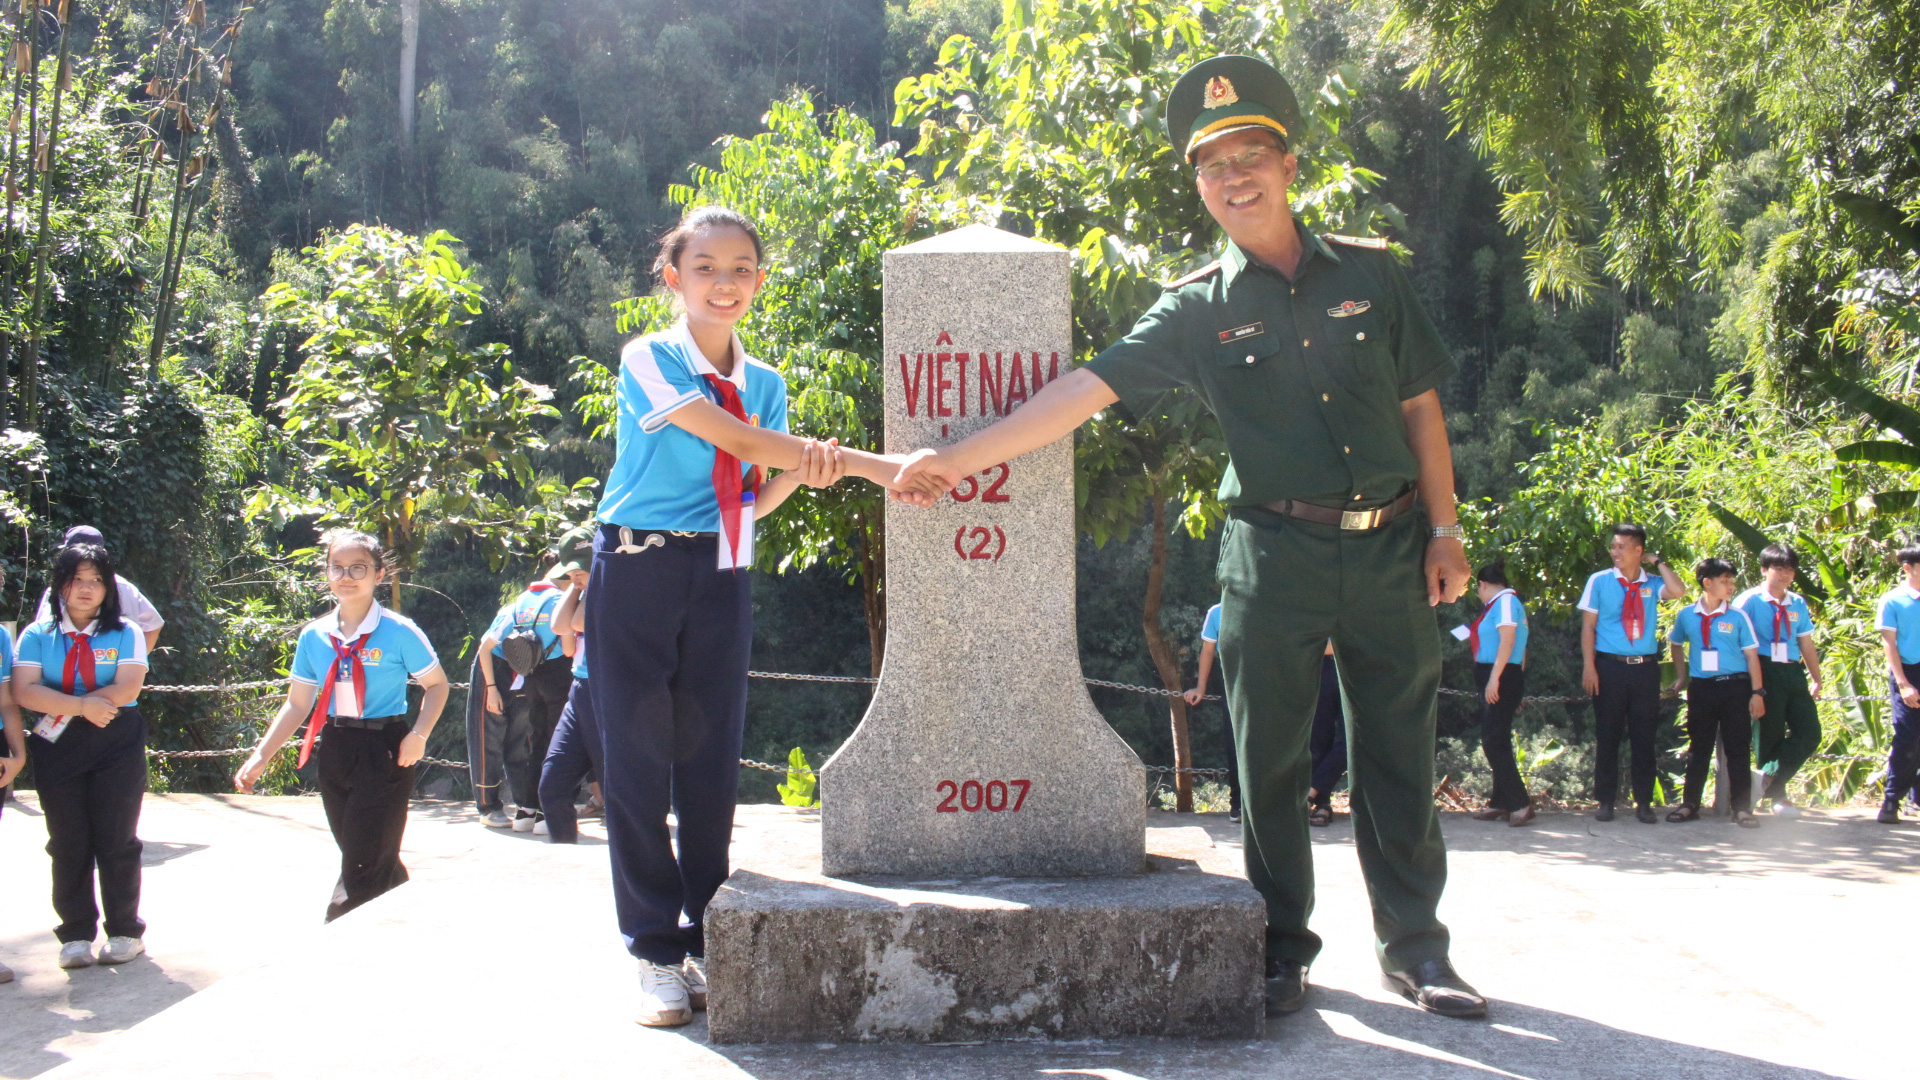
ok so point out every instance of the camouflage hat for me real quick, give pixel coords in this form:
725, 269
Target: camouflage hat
1225, 94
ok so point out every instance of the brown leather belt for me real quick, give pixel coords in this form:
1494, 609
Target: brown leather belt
1356, 520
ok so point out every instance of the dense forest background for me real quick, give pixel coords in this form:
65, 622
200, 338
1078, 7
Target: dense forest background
1680, 341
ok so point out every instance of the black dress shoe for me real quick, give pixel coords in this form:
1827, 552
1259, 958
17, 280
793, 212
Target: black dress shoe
1646, 816
1605, 813
1286, 986
1436, 987
1890, 812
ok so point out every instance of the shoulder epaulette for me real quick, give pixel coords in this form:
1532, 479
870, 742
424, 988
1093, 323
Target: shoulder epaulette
1375, 242
1210, 268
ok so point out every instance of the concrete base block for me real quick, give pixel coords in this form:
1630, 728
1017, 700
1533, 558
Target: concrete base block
1173, 952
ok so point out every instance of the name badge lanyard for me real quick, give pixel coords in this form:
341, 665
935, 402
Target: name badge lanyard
1709, 656
77, 679
1780, 639
344, 666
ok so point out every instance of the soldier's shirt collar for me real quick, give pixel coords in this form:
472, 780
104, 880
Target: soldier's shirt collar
1235, 261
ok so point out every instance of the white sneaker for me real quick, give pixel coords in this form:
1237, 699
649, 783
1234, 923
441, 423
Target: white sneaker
1785, 809
694, 973
119, 950
663, 996
76, 954
540, 825
496, 819
524, 821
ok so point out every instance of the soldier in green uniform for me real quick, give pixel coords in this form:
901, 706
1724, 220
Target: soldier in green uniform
1322, 368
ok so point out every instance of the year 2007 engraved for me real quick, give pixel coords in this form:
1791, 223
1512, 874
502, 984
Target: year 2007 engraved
973, 796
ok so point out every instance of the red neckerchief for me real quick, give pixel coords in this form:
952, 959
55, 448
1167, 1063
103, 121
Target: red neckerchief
727, 480
1633, 613
1780, 615
1473, 634
79, 664
1706, 624
343, 652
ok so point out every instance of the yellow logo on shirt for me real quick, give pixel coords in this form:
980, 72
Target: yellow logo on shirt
369, 656
1725, 627
106, 656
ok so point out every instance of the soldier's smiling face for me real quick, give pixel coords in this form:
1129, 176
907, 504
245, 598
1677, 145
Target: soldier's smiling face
1243, 178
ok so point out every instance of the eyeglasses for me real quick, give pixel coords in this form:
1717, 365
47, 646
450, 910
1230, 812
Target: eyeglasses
1249, 160
357, 571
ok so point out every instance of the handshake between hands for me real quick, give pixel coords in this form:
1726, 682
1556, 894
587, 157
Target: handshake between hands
918, 479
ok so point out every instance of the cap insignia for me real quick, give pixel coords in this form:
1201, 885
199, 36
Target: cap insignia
1219, 92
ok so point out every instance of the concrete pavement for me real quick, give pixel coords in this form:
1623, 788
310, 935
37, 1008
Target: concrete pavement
1609, 951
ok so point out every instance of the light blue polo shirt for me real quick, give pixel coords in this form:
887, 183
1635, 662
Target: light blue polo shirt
1604, 596
1210, 630
531, 610
1506, 610
662, 476
1731, 635
1900, 612
44, 646
1758, 604
6, 654
397, 651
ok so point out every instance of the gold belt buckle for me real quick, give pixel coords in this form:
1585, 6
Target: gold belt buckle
1361, 519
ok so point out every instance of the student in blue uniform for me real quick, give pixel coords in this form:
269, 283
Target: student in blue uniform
1620, 648
1718, 660
134, 605
521, 708
1899, 624
15, 758
1499, 643
82, 669
1789, 733
349, 683
574, 750
1209, 645
669, 616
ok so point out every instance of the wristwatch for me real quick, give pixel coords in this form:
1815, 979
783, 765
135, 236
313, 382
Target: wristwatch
1451, 532
1759, 691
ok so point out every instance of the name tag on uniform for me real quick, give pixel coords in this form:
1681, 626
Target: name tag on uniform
1710, 660
51, 728
345, 702
1460, 633
1238, 332
1780, 652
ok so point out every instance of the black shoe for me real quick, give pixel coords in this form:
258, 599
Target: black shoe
1646, 816
1286, 986
1436, 987
1605, 813
1890, 812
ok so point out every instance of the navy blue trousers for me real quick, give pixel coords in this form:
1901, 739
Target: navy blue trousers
573, 755
668, 638
1903, 758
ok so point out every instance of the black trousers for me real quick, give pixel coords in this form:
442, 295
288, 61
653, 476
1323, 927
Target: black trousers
1628, 704
365, 793
573, 755
513, 745
1328, 743
668, 638
1496, 734
91, 783
1717, 708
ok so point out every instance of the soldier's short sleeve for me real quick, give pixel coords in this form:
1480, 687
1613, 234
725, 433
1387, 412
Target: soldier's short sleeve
1151, 361
1421, 358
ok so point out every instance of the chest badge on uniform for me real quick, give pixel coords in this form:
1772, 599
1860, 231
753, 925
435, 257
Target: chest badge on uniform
1239, 332
1349, 307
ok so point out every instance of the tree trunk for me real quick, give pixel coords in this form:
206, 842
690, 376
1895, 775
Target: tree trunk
1166, 660
409, 59
873, 575
30, 362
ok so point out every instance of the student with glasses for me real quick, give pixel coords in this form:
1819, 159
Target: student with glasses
349, 683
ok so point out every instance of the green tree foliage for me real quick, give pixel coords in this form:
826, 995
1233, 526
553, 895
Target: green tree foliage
401, 417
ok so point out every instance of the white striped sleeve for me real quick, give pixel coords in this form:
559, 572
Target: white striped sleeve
1587, 602
427, 658
139, 639
1508, 616
661, 382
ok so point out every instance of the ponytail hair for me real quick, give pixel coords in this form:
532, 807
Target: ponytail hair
674, 244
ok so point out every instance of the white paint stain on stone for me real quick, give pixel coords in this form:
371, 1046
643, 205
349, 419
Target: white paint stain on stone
906, 997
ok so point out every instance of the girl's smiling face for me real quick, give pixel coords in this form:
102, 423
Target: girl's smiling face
717, 275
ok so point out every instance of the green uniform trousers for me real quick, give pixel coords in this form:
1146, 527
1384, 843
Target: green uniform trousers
1789, 733
1290, 586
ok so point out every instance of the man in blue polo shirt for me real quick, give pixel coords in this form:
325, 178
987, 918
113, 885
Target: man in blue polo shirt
1718, 658
1620, 649
1789, 733
1899, 624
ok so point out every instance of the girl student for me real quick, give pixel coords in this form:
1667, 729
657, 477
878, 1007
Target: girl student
669, 619
81, 669
1498, 640
15, 758
349, 683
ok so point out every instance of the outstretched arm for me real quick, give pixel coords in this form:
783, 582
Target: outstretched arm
776, 449
1060, 407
